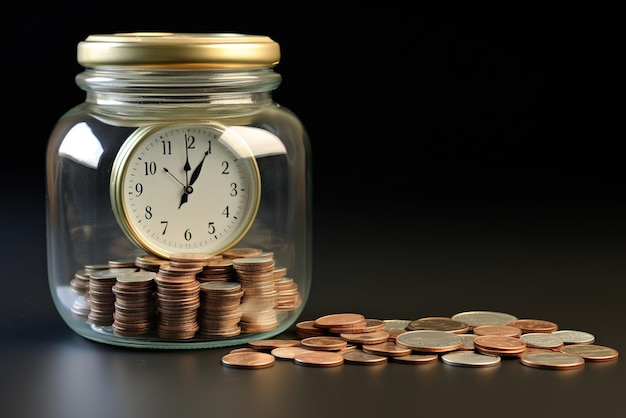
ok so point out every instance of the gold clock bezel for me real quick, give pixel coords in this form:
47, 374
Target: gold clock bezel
127, 152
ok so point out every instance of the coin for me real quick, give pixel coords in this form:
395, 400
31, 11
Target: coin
361, 357
288, 353
387, 348
339, 320
574, 337
476, 318
429, 341
248, 359
470, 359
534, 325
592, 352
496, 344
374, 337
269, 344
504, 330
438, 323
324, 343
542, 340
415, 358
319, 359
552, 360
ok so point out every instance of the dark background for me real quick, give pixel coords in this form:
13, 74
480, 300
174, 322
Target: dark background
461, 162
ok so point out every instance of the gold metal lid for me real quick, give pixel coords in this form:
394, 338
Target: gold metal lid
178, 50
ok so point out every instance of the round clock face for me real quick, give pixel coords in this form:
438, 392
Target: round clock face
185, 188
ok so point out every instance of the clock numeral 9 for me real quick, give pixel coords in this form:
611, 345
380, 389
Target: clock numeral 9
138, 189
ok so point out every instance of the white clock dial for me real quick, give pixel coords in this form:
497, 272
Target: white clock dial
185, 188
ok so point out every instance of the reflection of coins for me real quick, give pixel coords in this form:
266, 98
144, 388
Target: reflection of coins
248, 359
476, 318
470, 359
429, 341
592, 352
552, 360
319, 359
438, 323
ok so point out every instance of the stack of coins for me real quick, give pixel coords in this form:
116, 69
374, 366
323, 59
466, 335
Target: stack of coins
80, 285
135, 306
178, 300
288, 294
256, 275
219, 269
101, 297
220, 309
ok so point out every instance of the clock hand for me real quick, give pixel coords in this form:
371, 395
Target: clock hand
187, 167
168, 172
196, 172
183, 199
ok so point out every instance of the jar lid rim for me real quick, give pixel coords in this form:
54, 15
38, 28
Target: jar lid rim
178, 50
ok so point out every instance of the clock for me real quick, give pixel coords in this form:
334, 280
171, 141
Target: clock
190, 188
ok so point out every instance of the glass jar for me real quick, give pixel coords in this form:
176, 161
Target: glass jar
179, 194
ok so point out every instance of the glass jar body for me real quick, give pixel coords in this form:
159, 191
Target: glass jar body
84, 235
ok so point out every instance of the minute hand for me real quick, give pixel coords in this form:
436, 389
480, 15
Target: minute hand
196, 171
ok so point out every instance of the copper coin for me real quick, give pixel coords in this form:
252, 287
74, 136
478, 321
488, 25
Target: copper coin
269, 344
534, 325
415, 358
439, 323
288, 353
319, 359
500, 344
361, 357
368, 325
324, 343
387, 348
502, 330
248, 359
552, 360
374, 337
591, 352
339, 320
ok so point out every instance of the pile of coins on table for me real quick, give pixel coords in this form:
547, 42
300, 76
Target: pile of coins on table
242, 290
470, 339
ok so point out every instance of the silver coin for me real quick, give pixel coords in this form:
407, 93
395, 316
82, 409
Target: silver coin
476, 318
396, 324
541, 340
429, 341
575, 337
470, 359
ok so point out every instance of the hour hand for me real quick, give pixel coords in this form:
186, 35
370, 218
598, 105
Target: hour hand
196, 171
183, 199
